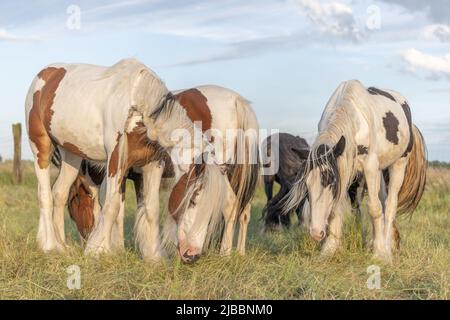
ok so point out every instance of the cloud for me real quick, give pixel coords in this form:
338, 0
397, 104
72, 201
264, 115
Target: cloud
434, 66
332, 17
439, 32
436, 10
7, 36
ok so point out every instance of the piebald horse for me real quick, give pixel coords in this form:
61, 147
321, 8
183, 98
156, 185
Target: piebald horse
362, 130
99, 114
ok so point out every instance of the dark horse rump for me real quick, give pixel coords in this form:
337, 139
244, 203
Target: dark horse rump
293, 153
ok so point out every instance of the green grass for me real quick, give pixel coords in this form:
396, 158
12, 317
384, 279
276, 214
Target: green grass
284, 265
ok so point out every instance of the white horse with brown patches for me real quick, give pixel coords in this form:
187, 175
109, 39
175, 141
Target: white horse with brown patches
91, 112
228, 121
362, 130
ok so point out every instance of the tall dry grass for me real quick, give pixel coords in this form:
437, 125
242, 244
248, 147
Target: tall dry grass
283, 265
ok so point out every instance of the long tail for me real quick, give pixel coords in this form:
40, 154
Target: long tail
244, 173
415, 176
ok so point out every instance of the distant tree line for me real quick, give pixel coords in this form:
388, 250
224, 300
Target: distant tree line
437, 163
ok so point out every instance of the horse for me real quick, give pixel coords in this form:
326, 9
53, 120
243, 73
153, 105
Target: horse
101, 114
232, 129
362, 131
238, 175
292, 156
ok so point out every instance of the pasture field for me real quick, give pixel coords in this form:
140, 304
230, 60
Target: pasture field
284, 265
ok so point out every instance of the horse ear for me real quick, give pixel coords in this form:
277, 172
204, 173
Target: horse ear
302, 153
339, 148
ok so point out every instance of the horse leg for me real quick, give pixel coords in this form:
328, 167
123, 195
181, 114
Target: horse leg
70, 166
147, 219
46, 237
244, 219
117, 238
268, 186
273, 219
285, 219
373, 178
396, 175
229, 214
100, 239
333, 240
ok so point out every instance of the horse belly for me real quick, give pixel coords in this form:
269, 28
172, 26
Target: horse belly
77, 126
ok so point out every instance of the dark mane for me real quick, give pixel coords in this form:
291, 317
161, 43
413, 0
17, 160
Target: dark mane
166, 106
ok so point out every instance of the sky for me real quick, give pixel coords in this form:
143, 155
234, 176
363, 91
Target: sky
285, 56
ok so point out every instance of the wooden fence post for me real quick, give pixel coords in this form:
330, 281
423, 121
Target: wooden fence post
17, 166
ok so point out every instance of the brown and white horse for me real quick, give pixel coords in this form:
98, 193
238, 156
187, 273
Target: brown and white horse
220, 110
92, 112
362, 130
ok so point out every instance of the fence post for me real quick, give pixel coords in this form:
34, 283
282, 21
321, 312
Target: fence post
17, 166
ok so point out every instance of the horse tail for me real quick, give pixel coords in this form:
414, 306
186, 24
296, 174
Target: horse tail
243, 175
415, 175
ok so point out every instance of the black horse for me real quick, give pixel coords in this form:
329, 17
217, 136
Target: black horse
292, 158
293, 154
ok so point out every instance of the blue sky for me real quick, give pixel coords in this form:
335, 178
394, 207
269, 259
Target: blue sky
286, 56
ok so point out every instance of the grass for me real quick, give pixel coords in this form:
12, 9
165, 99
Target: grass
284, 265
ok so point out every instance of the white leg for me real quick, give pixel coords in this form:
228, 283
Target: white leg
100, 238
229, 214
373, 176
70, 165
46, 236
147, 219
396, 175
117, 238
333, 240
244, 219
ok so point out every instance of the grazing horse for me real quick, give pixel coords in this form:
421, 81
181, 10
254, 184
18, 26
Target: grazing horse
292, 156
220, 110
102, 114
362, 130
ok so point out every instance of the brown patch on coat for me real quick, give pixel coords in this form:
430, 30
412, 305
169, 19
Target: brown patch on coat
113, 165
362, 150
41, 113
195, 104
407, 112
142, 150
81, 206
74, 149
179, 190
390, 123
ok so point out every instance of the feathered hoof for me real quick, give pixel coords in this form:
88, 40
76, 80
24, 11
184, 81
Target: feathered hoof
329, 247
272, 228
95, 249
383, 257
51, 246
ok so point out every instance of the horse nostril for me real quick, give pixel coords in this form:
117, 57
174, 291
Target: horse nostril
322, 234
190, 258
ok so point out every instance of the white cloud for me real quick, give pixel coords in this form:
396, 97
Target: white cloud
331, 17
435, 67
4, 35
439, 32
7, 36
